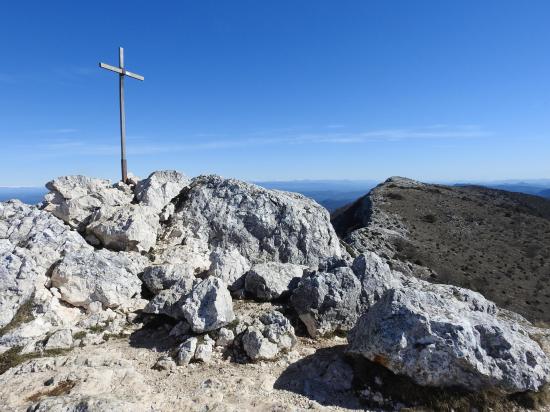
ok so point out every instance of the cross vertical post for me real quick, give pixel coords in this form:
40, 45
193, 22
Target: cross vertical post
123, 162
122, 72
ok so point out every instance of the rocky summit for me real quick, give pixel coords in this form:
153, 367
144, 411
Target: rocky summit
206, 293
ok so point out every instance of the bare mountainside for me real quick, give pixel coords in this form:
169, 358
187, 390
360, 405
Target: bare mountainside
492, 241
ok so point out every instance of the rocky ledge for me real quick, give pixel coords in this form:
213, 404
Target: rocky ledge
215, 271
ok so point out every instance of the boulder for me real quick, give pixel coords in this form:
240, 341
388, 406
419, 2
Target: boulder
328, 302
205, 304
160, 277
268, 336
271, 280
111, 278
446, 336
128, 227
74, 198
208, 306
160, 188
169, 301
214, 213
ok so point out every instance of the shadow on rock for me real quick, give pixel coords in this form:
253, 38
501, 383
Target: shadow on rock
155, 334
325, 377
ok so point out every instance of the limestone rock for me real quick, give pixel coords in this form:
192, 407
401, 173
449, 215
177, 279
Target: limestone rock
62, 339
128, 227
204, 351
160, 188
230, 266
214, 213
165, 363
208, 306
328, 302
86, 382
225, 337
169, 301
108, 277
443, 335
160, 277
186, 351
74, 198
31, 242
376, 277
87, 403
271, 334
271, 280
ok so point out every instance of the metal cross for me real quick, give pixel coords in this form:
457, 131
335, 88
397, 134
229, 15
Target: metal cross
122, 72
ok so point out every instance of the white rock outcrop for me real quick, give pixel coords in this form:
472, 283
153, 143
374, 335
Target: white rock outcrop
214, 214
74, 198
160, 188
108, 277
129, 227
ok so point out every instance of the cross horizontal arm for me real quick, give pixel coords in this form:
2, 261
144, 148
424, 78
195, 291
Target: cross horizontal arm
135, 76
109, 67
121, 71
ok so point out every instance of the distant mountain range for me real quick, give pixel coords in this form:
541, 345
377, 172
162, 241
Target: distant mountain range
332, 194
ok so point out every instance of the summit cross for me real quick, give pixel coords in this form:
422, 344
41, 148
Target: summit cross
122, 72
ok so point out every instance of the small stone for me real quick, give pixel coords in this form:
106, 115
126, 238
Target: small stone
95, 307
186, 351
204, 352
225, 337
165, 363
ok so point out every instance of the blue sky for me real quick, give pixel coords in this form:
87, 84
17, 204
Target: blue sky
278, 90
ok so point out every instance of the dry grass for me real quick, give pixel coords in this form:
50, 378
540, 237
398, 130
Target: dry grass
63, 388
491, 241
23, 315
13, 357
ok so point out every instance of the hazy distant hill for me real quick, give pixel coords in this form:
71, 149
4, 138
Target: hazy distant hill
537, 188
492, 241
331, 194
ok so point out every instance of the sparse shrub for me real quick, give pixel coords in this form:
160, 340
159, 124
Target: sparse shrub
23, 315
13, 357
395, 196
429, 218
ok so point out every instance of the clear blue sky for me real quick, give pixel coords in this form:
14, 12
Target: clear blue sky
282, 90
